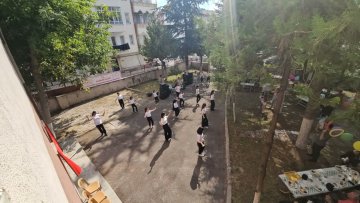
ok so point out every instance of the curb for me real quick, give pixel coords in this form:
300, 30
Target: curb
227, 154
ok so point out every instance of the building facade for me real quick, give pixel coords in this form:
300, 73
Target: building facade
128, 26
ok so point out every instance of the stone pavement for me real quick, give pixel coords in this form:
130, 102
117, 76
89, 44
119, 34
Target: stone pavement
141, 167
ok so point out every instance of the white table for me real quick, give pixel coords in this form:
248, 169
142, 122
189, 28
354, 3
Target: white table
342, 177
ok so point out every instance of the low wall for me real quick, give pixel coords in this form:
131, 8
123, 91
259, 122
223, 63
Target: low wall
67, 100
197, 66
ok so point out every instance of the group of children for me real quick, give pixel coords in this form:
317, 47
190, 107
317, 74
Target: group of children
177, 104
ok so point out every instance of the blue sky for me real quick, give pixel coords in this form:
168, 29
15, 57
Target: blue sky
210, 5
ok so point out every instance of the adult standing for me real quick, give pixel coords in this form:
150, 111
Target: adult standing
182, 101
200, 141
320, 142
204, 119
176, 108
197, 92
212, 100
164, 123
156, 96
120, 99
133, 104
149, 117
98, 122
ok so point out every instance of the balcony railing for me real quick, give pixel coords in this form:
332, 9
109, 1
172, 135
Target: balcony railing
144, 1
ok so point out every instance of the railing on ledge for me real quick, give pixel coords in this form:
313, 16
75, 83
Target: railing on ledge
145, 1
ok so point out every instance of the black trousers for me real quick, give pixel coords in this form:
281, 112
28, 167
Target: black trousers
156, 99
150, 120
204, 121
198, 98
167, 131
177, 111
182, 102
316, 149
201, 147
121, 102
134, 107
212, 105
101, 129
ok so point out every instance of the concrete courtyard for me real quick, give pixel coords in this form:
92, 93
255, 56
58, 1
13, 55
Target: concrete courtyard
138, 164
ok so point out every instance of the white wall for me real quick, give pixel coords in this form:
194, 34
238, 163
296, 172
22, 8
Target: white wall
26, 169
124, 29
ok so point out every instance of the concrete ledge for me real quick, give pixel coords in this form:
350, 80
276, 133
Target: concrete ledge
76, 153
227, 153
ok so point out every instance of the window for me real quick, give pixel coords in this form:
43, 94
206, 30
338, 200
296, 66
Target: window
131, 39
113, 41
115, 15
127, 18
122, 40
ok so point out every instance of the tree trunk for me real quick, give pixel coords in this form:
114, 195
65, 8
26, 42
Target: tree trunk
201, 62
43, 99
187, 61
311, 111
269, 139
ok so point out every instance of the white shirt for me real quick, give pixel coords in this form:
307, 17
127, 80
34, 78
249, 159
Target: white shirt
97, 119
120, 97
164, 120
175, 105
181, 95
132, 101
212, 97
177, 88
203, 111
197, 91
148, 113
200, 138
155, 94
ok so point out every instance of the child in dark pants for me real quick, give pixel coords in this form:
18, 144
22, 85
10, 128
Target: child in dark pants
133, 104
181, 98
156, 96
212, 100
176, 108
200, 141
164, 123
204, 120
197, 92
98, 122
121, 100
149, 117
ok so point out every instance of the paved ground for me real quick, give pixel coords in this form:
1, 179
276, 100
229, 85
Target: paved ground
139, 165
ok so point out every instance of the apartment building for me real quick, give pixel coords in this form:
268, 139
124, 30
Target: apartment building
128, 26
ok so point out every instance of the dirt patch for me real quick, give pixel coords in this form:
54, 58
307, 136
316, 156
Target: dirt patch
247, 142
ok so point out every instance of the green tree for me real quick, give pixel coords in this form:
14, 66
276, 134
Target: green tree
180, 14
159, 42
55, 40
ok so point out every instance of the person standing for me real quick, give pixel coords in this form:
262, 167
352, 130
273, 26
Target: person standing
177, 89
149, 117
176, 108
120, 99
164, 123
98, 122
200, 141
204, 119
212, 100
182, 101
133, 104
156, 96
320, 142
197, 92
